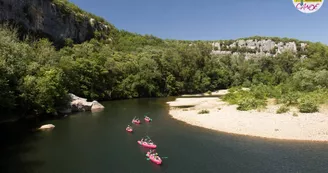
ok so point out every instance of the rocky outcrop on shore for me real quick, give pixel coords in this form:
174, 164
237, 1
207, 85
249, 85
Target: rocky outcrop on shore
79, 104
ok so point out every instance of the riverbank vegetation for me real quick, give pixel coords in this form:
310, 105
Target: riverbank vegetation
35, 77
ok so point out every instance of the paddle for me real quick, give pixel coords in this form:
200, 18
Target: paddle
160, 157
146, 114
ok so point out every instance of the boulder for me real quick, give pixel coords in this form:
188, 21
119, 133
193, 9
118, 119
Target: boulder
79, 104
96, 106
47, 126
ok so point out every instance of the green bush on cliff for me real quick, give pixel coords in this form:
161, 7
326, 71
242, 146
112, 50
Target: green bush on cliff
68, 8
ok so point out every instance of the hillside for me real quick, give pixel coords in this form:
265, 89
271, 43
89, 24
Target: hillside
115, 64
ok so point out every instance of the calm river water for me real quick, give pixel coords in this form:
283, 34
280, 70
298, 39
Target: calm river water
98, 143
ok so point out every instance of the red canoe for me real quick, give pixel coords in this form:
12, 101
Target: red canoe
129, 129
148, 145
155, 159
147, 119
136, 121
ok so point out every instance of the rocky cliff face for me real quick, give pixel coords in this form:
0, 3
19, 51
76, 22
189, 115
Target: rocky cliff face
254, 47
50, 19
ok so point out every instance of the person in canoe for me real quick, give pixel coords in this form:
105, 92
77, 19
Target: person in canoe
129, 127
150, 141
157, 157
144, 140
148, 119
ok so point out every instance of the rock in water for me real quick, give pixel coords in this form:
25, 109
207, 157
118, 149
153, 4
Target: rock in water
96, 106
47, 126
79, 104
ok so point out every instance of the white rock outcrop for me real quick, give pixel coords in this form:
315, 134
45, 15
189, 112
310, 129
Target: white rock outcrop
264, 47
47, 127
79, 104
96, 106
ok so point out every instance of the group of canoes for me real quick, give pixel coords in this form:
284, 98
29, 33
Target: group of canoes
151, 154
136, 120
147, 142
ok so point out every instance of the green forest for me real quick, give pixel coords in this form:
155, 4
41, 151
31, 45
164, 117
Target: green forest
36, 76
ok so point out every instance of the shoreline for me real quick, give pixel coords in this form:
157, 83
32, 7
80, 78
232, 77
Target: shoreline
264, 124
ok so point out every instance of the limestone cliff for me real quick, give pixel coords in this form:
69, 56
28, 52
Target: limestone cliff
258, 47
51, 19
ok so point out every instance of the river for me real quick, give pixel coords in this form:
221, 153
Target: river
98, 143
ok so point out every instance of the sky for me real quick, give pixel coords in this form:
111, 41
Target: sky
212, 19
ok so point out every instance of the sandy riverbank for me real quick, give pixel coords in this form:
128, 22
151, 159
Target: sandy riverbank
266, 123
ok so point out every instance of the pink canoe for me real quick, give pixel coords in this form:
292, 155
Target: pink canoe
145, 144
129, 129
136, 121
147, 119
155, 159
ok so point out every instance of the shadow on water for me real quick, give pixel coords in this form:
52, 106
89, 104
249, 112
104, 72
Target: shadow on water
16, 140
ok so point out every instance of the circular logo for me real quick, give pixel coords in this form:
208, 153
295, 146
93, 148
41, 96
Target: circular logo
308, 6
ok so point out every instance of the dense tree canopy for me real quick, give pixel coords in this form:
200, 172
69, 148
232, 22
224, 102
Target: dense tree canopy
35, 77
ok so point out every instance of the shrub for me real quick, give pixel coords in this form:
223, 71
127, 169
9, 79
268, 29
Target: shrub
234, 89
290, 98
308, 105
246, 100
250, 103
204, 111
209, 92
283, 109
295, 114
